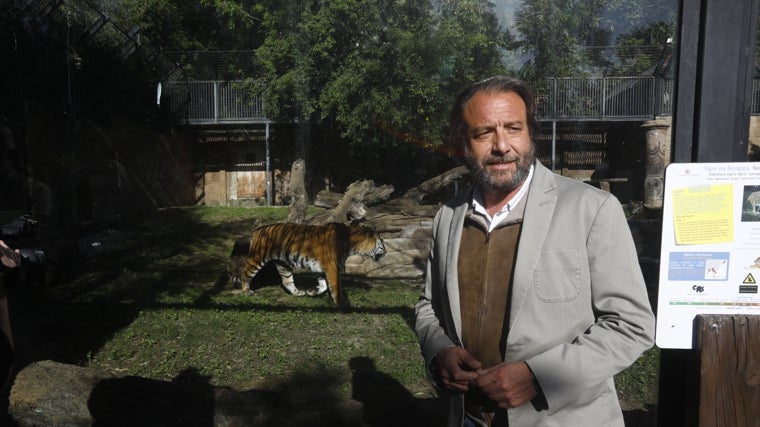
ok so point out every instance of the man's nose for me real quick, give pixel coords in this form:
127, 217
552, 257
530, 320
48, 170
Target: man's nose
500, 142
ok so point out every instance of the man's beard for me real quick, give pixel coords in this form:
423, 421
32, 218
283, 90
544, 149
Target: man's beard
500, 181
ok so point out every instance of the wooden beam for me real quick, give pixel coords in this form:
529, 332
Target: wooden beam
730, 370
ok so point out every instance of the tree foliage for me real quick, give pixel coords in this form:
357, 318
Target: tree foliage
186, 24
383, 72
378, 71
573, 38
641, 48
553, 33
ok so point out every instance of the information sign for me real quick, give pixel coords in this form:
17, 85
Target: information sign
710, 253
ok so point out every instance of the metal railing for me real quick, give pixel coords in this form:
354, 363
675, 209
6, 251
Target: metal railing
560, 98
209, 102
603, 98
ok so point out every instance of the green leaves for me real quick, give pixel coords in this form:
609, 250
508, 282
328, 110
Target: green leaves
572, 38
382, 70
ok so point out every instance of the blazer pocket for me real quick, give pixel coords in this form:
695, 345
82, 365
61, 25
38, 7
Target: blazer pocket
559, 276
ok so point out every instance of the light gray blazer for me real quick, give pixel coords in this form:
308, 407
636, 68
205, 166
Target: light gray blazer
579, 312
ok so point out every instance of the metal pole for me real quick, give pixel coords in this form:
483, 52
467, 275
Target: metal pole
554, 145
216, 102
269, 174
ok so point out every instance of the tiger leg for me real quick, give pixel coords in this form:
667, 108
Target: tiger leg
333, 281
245, 286
286, 274
320, 289
246, 277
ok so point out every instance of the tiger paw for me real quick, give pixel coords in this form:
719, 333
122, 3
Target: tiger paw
320, 289
315, 292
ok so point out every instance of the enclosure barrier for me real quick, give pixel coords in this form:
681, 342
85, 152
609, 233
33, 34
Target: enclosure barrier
209, 102
557, 98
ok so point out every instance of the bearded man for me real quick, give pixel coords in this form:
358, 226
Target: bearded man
534, 298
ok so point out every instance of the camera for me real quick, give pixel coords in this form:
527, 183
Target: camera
31, 257
22, 234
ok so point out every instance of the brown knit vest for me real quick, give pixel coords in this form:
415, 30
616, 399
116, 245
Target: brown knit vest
485, 264
485, 267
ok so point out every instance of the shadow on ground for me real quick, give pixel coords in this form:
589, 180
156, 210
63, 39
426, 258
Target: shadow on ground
305, 399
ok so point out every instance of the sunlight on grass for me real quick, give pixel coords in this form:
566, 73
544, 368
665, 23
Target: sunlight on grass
243, 341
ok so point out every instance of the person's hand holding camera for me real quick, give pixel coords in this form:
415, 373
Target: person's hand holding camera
10, 258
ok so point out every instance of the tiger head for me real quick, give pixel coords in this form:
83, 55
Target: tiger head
365, 241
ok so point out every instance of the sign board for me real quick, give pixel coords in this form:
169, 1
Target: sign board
710, 253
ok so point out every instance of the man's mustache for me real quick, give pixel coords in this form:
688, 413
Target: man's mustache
494, 160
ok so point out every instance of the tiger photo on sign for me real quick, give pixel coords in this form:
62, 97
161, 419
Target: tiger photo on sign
318, 248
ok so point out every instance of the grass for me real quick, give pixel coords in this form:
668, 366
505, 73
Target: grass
154, 302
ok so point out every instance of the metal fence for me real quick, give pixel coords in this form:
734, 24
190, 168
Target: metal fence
566, 98
208, 102
603, 98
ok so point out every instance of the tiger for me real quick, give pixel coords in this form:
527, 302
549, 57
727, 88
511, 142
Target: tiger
319, 248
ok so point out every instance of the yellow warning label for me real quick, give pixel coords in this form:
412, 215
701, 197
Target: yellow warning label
749, 279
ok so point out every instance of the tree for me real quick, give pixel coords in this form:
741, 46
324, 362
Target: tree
641, 49
377, 74
554, 32
573, 38
187, 24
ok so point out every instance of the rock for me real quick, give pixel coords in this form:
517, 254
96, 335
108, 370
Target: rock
52, 394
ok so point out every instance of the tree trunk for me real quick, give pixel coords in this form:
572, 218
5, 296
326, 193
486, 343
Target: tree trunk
299, 203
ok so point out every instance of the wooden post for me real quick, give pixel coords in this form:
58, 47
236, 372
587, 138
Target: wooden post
729, 349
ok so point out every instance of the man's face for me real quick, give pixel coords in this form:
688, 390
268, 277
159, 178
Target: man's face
499, 149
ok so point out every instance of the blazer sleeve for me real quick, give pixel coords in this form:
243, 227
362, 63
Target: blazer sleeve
429, 310
623, 324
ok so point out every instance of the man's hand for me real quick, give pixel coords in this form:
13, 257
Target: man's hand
456, 368
8, 256
508, 384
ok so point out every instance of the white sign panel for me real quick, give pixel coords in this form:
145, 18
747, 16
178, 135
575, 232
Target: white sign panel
710, 259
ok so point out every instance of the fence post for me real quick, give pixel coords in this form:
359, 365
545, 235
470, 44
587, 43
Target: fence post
216, 101
729, 353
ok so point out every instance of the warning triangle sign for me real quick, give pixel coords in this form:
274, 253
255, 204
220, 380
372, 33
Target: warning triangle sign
749, 279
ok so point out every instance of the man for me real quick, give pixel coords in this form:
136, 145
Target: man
534, 298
